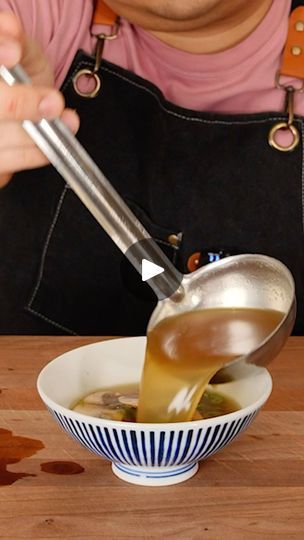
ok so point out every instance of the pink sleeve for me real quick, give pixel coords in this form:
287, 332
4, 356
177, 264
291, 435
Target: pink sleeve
60, 26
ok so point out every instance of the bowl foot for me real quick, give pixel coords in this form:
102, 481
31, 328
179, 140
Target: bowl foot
161, 476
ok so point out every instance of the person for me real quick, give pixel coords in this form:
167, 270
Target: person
180, 126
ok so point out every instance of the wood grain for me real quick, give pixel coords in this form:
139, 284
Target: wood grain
254, 489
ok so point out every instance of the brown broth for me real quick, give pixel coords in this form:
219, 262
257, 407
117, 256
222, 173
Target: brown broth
185, 351
123, 401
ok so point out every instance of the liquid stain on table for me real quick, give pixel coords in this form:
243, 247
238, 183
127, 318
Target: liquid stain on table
62, 467
13, 449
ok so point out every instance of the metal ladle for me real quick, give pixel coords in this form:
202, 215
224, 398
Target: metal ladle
253, 281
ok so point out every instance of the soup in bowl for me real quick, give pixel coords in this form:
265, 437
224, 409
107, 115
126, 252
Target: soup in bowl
144, 453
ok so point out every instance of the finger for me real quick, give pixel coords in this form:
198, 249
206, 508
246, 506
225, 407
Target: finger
12, 134
71, 119
22, 158
10, 52
4, 179
11, 39
27, 102
10, 25
13, 146
18, 152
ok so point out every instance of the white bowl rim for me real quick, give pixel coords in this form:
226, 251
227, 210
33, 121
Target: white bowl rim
140, 426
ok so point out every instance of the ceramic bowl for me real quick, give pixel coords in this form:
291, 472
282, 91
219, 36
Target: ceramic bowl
146, 454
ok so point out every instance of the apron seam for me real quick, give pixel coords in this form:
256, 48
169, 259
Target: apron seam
54, 323
42, 265
68, 81
193, 118
173, 113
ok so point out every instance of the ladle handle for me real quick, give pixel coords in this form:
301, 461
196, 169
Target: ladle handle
91, 186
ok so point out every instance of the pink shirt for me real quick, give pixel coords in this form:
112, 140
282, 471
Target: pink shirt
237, 80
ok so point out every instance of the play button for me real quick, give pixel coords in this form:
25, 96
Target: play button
150, 270
146, 271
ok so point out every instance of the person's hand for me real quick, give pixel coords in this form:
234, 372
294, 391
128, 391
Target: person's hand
25, 102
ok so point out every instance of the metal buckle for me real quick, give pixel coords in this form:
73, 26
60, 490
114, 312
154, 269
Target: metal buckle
289, 125
284, 86
93, 73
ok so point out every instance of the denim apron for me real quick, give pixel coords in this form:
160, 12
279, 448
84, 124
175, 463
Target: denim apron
198, 182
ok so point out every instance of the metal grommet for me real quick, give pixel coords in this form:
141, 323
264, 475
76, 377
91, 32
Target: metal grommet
292, 129
174, 240
299, 26
92, 75
296, 50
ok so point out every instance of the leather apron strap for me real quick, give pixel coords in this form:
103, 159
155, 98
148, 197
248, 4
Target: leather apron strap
292, 60
103, 14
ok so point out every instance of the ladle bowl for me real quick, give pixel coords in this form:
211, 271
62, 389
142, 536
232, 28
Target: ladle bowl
241, 281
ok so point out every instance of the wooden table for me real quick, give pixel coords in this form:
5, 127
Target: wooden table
254, 489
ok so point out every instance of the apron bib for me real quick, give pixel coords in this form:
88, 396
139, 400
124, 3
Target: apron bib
197, 181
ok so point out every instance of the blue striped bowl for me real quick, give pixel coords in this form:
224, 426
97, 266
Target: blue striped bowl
146, 454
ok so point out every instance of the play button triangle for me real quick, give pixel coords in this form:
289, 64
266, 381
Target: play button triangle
150, 270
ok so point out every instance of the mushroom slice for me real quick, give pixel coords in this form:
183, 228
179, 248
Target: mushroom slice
129, 399
88, 409
97, 411
103, 397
